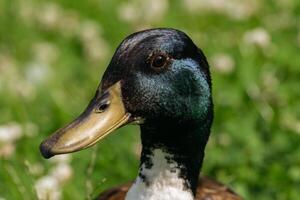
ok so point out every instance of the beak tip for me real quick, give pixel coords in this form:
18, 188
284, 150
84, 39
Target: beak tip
46, 150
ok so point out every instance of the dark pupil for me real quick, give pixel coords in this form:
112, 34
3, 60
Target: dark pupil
159, 61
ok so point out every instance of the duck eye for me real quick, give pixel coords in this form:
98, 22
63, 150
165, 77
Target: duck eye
159, 61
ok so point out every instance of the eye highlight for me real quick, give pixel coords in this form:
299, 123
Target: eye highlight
159, 61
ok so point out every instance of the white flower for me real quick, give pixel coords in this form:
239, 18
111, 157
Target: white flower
49, 16
38, 72
24, 89
69, 23
31, 129
62, 172
290, 121
240, 10
35, 168
10, 132
63, 158
128, 13
89, 30
8, 71
26, 11
7, 150
224, 139
234, 9
258, 36
11, 80
155, 9
8, 66
143, 12
95, 47
223, 63
196, 5
45, 52
47, 188
270, 82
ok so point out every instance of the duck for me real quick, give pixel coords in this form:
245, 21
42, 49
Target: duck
159, 80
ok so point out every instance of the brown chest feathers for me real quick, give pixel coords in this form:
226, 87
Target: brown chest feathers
208, 189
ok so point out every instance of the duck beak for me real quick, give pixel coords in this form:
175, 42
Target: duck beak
104, 114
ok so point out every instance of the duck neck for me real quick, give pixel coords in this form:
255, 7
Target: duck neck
171, 159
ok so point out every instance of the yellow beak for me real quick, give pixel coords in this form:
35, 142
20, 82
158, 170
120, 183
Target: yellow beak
103, 115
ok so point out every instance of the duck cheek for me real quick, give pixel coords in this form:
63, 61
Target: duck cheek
137, 95
133, 97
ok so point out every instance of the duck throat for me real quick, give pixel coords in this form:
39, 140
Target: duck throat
160, 178
171, 159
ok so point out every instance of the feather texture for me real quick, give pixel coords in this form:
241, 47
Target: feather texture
208, 189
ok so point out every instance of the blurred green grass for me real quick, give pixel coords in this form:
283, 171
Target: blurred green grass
52, 56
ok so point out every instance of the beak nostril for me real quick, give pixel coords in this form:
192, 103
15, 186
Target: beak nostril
103, 102
103, 106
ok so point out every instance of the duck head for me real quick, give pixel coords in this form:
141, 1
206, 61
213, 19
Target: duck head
156, 77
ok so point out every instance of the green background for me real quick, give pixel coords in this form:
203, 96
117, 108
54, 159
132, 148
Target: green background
52, 56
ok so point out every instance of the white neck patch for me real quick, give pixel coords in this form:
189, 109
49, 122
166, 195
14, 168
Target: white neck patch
163, 181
